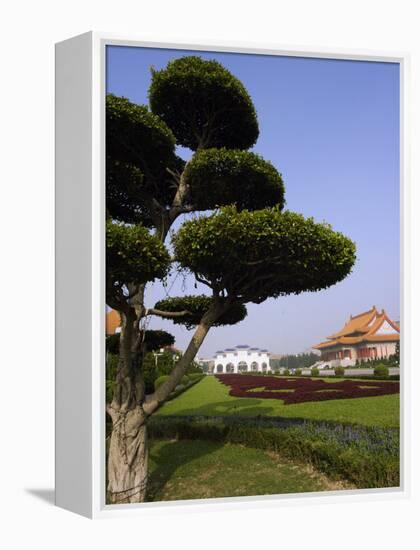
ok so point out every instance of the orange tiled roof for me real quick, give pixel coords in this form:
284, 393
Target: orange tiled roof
383, 338
113, 321
357, 323
362, 328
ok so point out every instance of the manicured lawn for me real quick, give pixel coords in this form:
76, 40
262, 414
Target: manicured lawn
181, 470
211, 398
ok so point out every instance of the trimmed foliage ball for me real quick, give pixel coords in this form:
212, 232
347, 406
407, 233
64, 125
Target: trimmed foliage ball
219, 177
136, 135
140, 149
203, 104
262, 254
134, 255
197, 307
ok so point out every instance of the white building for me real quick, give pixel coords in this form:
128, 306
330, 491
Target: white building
241, 359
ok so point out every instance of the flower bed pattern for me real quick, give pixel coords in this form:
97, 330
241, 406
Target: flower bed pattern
301, 390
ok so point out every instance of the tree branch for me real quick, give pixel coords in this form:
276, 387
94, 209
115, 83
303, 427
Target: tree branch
203, 281
154, 400
167, 314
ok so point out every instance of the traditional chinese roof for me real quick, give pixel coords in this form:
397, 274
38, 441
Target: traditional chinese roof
369, 326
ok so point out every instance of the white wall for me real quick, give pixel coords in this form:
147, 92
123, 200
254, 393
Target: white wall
242, 356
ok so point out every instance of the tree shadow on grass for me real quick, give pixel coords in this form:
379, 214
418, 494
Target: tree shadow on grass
170, 456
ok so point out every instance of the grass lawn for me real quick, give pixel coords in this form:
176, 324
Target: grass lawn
209, 397
185, 469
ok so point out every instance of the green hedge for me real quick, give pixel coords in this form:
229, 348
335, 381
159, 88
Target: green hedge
367, 457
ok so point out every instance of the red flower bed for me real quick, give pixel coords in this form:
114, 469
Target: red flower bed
301, 390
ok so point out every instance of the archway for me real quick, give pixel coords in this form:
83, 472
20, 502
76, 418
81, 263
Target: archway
230, 367
242, 366
219, 368
264, 366
254, 366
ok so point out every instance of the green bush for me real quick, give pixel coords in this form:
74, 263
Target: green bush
381, 370
159, 381
286, 372
184, 380
314, 371
298, 372
339, 371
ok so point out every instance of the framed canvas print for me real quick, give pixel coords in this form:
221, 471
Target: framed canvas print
230, 310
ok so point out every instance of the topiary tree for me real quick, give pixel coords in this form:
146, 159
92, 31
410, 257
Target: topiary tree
246, 250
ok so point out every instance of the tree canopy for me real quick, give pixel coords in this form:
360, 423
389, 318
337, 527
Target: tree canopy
140, 162
153, 340
134, 255
266, 253
195, 308
220, 177
203, 104
136, 135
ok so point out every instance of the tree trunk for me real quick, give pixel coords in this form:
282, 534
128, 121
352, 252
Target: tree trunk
128, 451
128, 458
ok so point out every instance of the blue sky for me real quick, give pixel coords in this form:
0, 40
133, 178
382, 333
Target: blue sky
331, 127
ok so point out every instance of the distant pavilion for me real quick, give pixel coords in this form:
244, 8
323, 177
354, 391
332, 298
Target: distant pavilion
369, 335
241, 358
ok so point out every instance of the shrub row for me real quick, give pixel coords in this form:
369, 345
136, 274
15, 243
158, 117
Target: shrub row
367, 457
315, 373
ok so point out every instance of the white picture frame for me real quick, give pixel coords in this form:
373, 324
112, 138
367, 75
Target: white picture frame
80, 268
